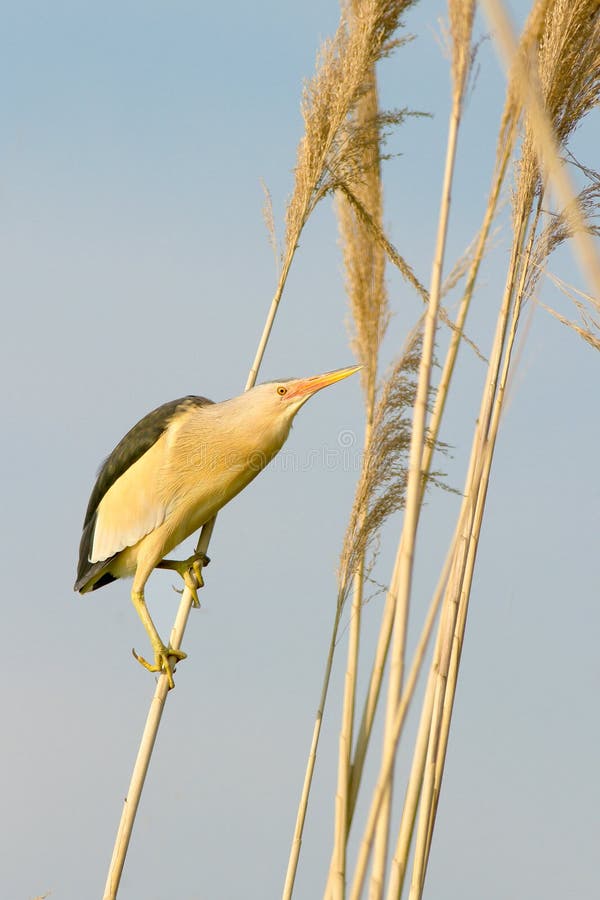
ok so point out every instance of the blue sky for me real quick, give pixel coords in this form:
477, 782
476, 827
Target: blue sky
135, 268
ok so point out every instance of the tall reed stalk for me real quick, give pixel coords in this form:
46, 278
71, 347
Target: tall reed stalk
446, 662
461, 18
365, 267
161, 692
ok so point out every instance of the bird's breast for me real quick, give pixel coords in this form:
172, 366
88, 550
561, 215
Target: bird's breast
202, 477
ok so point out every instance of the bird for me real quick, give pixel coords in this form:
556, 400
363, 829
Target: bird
169, 475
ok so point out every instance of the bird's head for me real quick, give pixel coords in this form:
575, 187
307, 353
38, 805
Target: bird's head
274, 404
286, 397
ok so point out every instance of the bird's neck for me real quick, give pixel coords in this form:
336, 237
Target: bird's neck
247, 435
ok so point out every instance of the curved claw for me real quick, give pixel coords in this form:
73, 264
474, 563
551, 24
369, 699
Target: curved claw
193, 580
162, 657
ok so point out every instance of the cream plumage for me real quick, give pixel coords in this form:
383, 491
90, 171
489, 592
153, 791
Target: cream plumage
170, 475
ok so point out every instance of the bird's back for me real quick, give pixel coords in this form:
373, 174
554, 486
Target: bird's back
128, 451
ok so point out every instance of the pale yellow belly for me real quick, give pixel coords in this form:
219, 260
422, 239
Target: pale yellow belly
187, 516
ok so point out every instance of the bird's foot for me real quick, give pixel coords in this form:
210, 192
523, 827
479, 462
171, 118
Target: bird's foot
190, 570
194, 580
165, 660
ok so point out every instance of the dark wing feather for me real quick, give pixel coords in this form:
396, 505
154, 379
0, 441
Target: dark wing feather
136, 442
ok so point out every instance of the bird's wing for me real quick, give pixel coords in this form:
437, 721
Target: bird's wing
136, 442
124, 505
132, 506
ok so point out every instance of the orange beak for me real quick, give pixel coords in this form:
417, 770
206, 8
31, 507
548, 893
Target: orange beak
306, 387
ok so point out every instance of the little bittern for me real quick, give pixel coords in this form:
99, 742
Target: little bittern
170, 475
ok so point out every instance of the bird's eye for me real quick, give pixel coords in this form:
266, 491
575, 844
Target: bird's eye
281, 390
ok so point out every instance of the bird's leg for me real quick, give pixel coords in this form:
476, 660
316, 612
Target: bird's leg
162, 654
190, 570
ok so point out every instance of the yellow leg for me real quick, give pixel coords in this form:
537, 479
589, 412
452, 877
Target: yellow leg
162, 655
190, 570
